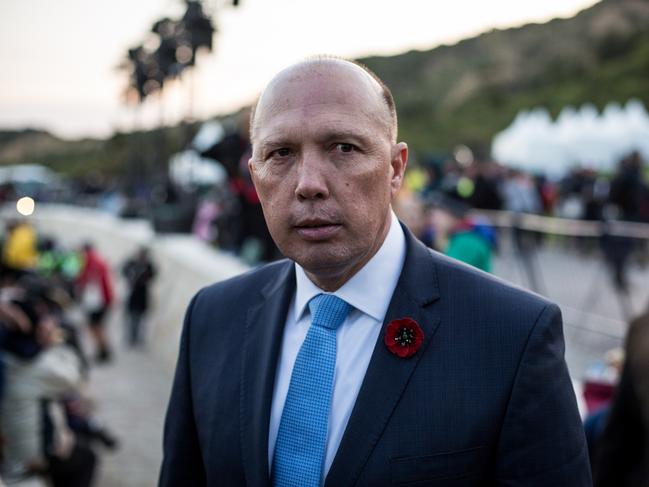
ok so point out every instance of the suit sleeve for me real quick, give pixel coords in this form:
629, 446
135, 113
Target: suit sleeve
542, 441
182, 462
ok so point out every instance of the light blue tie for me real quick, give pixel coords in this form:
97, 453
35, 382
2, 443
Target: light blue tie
302, 436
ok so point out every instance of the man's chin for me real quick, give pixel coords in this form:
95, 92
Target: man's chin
327, 270
321, 264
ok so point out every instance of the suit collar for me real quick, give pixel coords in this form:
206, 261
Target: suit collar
387, 375
263, 338
419, 277
386, 378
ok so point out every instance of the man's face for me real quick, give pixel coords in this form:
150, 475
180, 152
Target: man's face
326, 169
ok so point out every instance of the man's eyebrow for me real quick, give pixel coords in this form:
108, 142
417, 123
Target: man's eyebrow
272, 141
343, 135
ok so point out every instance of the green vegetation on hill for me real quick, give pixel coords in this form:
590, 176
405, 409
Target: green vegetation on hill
460, 94
468, 92
133, 155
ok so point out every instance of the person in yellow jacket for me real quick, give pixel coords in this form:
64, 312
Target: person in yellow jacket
19, 252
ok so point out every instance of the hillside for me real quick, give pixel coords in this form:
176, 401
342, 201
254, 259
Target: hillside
123, 154
467, 92
463, 93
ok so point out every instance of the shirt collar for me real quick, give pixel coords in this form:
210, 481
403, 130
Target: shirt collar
370, 289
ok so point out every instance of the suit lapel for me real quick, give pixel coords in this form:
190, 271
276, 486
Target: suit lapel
388, 375
262, 345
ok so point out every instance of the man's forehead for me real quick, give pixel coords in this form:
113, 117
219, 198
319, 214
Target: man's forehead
303, 86
287, 126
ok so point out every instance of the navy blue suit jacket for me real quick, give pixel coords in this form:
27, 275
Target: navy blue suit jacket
486, 400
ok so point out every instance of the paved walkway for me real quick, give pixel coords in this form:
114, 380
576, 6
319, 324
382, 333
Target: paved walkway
131, 398
132, 392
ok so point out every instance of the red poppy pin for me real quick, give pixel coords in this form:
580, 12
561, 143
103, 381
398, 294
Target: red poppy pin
403, 337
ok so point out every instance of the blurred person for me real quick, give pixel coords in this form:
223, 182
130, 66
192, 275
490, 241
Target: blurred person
75, 407
409, 208
139, 272
364, 358
457, 236
54, 261
486, 192
624, 202
628, 188
79, 411
520, 193
232, 151
253, 240
48, 259
253, 230
11, 318
214, 221
592, 202
40, 370
55, 295
207, 213
60, 265
521, 197
19, 252
617, 252
622, 457
451, 175
598, 389
95, 289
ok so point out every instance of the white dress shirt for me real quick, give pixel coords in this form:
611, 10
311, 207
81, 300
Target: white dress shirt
369, 291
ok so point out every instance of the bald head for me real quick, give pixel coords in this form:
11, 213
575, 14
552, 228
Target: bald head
327, 71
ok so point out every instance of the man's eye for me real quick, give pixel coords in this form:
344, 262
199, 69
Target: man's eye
345, 147
282, 152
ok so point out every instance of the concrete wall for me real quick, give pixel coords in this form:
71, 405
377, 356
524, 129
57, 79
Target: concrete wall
184, 264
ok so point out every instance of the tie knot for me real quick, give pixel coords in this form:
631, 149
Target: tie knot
328, 310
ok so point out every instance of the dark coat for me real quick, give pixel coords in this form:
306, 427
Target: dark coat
486, 400
139, 273
622, 458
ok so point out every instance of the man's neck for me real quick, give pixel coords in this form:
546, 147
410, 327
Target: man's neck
333, 279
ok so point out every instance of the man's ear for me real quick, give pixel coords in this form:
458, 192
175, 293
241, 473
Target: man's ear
251, 170
398, 164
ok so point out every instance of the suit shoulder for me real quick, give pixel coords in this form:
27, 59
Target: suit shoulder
248, 284
474, 285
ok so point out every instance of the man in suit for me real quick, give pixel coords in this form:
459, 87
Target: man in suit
472, 390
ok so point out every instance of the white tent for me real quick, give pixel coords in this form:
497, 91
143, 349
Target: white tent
209, 134
577, 137
188, 167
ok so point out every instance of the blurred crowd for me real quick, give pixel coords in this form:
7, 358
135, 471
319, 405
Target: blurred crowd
49, 297
448, 205
48, 429
438, 203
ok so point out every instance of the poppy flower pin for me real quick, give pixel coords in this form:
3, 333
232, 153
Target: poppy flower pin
403, 337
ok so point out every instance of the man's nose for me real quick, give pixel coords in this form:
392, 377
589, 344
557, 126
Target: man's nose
312, 178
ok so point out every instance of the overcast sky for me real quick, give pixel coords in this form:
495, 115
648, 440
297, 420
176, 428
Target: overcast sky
59, 58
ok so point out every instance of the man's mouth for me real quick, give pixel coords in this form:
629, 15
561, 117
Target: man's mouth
316, 229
